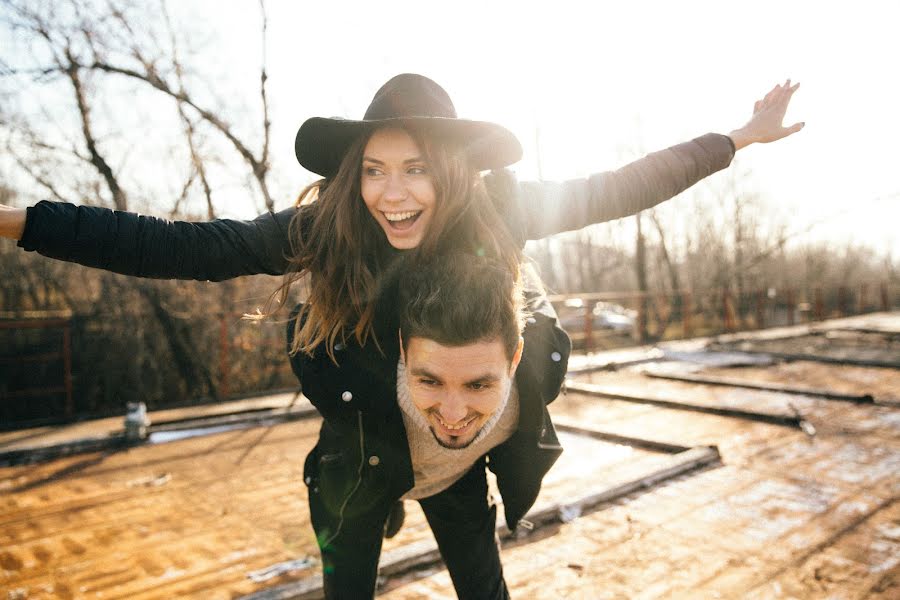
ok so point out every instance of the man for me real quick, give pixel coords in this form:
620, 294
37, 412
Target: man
470, 390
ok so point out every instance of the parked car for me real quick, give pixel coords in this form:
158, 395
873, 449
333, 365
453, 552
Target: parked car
606, 315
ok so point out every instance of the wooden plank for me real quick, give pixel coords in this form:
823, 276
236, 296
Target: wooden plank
654, 445
831, 360
773, 418
769, 387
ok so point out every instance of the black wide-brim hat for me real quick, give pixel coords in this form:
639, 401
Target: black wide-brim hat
406, 99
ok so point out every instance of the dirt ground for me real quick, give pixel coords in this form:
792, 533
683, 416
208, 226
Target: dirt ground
785, 514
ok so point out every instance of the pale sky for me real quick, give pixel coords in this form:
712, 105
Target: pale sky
602, 82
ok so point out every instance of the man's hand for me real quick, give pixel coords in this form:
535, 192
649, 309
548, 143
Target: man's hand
12, 222
766, 124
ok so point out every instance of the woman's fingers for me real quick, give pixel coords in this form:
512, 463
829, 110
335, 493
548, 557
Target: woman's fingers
795, 128
766, 124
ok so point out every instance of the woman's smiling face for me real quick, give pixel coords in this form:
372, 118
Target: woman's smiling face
397, 187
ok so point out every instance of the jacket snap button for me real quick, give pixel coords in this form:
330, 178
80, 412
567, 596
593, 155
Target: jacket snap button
556, 356
308, 480
374, 460
346, 396
339, 346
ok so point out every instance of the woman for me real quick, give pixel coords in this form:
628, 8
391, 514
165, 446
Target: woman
400, 185
336, 239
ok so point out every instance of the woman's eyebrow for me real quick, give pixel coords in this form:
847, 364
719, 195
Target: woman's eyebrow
414, 159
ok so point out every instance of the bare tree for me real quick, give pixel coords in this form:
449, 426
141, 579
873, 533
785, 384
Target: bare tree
79, 38
81, 49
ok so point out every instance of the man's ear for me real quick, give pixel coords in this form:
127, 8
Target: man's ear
514, 364
402, 353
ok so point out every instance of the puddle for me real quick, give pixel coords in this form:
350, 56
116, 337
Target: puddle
720, 359
163, 437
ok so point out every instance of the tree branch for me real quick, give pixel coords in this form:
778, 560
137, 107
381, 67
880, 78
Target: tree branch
153, 79
263, 78
196, 160
72, 70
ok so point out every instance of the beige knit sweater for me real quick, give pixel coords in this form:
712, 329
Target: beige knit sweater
436, 468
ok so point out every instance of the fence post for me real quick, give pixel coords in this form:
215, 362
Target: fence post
642, 318
884, 297
791, 305
863, 292
760, 309
686, 310
67, 368
843, 300
820, 305
728, 310
588, 326
223, 357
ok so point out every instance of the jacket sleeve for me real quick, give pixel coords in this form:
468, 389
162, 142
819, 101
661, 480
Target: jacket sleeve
145, 246
545, 356
547, 208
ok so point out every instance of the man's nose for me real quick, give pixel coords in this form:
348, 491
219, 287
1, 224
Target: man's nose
453, 410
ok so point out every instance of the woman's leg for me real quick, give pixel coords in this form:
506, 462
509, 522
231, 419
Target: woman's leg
464, 525
350, 548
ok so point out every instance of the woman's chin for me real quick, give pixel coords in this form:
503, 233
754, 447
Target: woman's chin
404, 244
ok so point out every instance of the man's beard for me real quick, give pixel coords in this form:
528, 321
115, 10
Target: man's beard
444, 444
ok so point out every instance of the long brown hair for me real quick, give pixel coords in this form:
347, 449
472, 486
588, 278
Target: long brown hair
345, 253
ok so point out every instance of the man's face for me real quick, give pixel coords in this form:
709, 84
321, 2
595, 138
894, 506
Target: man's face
458, 388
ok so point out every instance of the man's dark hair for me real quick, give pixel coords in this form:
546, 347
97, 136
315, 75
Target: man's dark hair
460, 299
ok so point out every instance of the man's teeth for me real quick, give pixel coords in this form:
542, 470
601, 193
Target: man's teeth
454, 428
401, 216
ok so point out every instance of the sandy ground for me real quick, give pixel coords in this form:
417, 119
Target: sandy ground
785, 515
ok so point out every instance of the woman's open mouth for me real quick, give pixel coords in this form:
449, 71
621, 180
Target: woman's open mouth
400, 221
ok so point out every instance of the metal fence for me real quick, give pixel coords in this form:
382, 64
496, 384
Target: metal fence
597, 321
63, 368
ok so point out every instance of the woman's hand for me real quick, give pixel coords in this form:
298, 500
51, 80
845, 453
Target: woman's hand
766, 123
12, 222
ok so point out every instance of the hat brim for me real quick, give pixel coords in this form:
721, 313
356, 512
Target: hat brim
321, 143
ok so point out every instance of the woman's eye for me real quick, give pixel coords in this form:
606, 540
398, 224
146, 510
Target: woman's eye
417, 171
372, 171
428, 382
478, 386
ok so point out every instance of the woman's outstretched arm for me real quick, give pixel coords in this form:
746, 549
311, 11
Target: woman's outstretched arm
145, 246
547, 208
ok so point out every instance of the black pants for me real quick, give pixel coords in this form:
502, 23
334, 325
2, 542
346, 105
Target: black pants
463, 524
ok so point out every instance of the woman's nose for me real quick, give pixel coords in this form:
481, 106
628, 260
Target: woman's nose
395, 189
